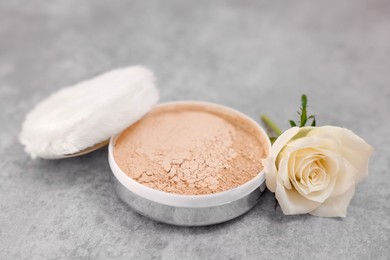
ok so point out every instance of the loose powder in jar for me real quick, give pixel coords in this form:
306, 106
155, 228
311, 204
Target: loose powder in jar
188, 150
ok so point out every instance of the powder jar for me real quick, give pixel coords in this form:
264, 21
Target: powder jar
192, 210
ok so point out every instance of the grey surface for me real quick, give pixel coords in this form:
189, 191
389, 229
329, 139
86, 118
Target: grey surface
255, 56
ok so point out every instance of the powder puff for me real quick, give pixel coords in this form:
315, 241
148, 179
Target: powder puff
88, 113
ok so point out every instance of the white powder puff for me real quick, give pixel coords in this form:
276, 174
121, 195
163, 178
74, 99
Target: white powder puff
90, 112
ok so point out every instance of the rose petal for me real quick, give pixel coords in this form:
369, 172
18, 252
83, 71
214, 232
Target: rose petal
283, 174
291, 202
331, 161
335, 206
291, 164
308, 142
270, 163
306, 157
324, 194
339, 157
353, 148
321, 191
302, 187
345, 178
293, 158
282, 140
270, 173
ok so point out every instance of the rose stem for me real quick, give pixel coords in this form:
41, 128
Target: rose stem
268, 122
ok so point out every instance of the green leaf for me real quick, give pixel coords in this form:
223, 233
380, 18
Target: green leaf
273, 139
292, 123
304, 101
303, 111
314, 122
303, 114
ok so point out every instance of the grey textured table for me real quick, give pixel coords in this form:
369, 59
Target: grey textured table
255, 56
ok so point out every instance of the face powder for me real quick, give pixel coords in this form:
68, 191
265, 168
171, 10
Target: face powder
190, 149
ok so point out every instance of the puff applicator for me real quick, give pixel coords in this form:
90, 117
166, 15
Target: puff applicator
88, 113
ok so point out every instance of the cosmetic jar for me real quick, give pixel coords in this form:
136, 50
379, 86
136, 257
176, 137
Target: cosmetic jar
192, 210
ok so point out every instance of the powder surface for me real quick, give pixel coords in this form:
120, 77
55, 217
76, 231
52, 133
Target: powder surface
188, 152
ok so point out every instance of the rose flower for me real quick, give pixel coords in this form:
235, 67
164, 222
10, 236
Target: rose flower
315, 169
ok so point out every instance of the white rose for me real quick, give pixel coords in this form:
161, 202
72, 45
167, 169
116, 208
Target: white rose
315, 169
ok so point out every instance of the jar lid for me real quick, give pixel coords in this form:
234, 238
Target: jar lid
81, 118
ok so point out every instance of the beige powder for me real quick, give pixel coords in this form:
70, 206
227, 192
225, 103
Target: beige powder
186, 150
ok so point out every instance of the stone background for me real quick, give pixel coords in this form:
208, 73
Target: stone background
255, 56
